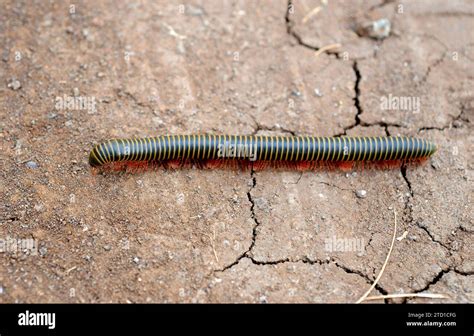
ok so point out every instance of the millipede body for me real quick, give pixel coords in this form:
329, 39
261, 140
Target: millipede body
251, 148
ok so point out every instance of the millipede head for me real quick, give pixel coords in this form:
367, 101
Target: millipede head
93, 160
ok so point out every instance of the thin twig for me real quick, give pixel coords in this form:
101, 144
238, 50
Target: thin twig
408, 295
403, 236
312, 13
326, 48
386, 260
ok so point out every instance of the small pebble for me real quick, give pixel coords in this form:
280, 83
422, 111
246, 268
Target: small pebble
75, 92
361, 193
136, 260
379, 29
42, 251
457, 123
100, 75
318, 93
14, 84
32, 164
194, 10
107, 247
261, 203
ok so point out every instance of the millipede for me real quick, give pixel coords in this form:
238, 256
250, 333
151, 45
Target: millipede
258, 151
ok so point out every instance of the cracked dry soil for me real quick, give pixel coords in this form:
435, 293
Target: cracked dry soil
232, 67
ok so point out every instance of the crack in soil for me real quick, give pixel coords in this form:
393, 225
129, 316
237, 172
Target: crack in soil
298, 180
305, 260
254, 230
356, 99
364, 276
408, 210
459, 117
433, 281
276, 128
299, 39
272, 129
355, 67
463, 229
431, 67
403, 170
382, 124
289, 28
424, 228
252, 211
437, 278
380, 5
420, 225
463, 273
120, 93
408, 214
335, 186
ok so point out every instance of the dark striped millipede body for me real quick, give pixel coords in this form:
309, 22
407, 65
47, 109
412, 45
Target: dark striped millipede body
261, 148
